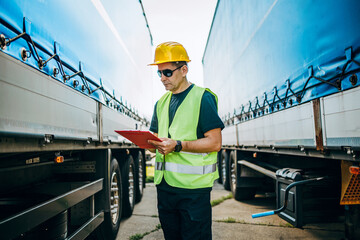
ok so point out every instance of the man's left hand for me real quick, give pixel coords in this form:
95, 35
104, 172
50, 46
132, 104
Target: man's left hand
165, 147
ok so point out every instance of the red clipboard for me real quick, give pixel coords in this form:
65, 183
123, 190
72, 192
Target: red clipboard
140, 138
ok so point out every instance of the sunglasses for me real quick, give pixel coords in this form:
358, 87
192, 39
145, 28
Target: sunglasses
167, 72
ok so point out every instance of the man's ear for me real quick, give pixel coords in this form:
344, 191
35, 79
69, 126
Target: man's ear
184, 70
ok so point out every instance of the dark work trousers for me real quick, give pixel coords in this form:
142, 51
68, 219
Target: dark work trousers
185, 216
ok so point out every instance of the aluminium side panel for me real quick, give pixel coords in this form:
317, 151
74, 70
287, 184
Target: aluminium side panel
230, 136
340, 119
34, 104
114, 121
290, 127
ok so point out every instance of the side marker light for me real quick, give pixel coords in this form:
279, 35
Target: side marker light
354, 170
59, 159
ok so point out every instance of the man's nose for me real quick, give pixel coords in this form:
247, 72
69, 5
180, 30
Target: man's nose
163, 78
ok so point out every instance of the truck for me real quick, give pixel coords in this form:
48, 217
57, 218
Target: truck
286, 74
67, 72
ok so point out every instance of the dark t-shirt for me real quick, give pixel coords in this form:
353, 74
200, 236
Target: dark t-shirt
208, 120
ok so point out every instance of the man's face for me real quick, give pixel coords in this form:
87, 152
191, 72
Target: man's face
174, 82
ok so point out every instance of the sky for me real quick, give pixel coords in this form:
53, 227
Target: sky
187, 22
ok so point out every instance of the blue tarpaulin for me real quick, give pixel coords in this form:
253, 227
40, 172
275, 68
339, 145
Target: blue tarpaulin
280, 53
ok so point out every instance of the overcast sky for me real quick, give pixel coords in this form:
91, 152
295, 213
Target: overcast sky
187, 22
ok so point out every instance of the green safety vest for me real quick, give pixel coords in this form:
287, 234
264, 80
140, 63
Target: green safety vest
184, 169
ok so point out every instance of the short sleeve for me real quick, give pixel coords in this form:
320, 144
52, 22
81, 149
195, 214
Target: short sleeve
209, 118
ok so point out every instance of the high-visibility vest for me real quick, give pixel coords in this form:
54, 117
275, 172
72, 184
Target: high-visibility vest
184, 169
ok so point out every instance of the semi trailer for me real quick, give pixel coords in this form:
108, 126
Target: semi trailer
67, 72
286, 74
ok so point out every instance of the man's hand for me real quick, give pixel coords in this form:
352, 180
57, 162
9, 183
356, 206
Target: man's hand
165, 147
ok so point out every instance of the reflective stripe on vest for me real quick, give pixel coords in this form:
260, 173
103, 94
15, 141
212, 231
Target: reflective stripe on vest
180, 168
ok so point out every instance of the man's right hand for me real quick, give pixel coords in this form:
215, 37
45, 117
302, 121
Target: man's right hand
166, 145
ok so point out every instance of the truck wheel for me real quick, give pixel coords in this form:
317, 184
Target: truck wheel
225, 170
110, 227
128, 173
239, 192
139, 180
219, 166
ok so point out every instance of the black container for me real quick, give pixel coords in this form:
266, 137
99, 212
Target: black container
314, 202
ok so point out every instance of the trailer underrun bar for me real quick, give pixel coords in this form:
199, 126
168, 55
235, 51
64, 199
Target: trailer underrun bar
88, 227
258, 168
30, 218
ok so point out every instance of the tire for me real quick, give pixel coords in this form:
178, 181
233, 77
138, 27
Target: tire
128, 174
245, 193
140, 178
219, 167
237, 182
110, 227
225, 169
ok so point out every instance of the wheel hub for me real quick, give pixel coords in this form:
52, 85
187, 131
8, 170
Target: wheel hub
114, 198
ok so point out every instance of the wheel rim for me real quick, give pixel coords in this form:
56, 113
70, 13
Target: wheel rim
233, 173
223, 169
131, 185
114, 199
141, 174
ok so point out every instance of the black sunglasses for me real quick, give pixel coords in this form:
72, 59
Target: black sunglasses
167, 72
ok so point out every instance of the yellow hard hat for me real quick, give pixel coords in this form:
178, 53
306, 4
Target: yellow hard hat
170, 52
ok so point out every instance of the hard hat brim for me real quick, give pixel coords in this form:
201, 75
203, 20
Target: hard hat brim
160, 62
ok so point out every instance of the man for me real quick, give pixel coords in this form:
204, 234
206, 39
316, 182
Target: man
186, 121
